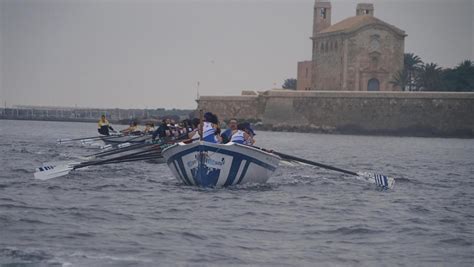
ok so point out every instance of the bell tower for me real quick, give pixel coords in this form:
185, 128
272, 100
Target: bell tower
322, 16
365, 9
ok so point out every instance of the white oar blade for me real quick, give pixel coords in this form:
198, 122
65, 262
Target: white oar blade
123, 145
86, 141
106, 147
49, 172
59, 163
380, 180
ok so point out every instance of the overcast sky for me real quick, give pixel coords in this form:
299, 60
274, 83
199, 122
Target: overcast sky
152, 53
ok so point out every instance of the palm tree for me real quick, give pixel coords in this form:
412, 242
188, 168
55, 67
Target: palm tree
400, 79
466, 65
460, 78
411, 63
429, 77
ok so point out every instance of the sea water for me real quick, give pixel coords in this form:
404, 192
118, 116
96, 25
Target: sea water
139, 214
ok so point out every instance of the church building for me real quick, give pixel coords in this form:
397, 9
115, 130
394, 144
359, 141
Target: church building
360, 53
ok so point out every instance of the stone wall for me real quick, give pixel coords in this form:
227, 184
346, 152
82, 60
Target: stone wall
389, 113
226, 107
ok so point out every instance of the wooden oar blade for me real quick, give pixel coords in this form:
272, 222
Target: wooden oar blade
49, 172
380, 180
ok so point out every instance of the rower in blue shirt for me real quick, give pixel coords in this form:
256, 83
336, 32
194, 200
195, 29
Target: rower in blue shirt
244, 134
211, 129
227, 134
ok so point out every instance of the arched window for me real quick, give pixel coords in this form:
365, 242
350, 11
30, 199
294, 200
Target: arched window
335, 45
326, 46
322, 47
323, 13
373, 85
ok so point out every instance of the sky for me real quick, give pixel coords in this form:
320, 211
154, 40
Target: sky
153, 54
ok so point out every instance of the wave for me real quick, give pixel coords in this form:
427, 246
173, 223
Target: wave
457, 241
353, 230
25, 256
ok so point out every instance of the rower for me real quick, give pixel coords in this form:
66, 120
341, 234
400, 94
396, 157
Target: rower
149, 128
104, 126
248, 129
243, 135
163, 130
211, 128
227, 134
132, 129
194, 133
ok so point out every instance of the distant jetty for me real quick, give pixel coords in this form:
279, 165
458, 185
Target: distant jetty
75, 114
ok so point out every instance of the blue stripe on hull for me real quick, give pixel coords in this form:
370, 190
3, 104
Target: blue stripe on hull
234, 169
208, 177
247, 164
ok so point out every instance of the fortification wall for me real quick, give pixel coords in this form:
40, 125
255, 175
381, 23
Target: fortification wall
391, 113
226, 107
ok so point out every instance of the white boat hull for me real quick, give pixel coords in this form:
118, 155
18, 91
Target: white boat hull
208, 165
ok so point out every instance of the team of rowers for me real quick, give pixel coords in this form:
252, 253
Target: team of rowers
241, 133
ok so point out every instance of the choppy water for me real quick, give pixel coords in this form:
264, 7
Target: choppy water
138, 214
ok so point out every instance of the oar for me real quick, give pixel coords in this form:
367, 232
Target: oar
379, 179
52, 171
130, 146
119, 149
87, 139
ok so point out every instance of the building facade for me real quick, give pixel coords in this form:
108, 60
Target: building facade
360, 53
304, 75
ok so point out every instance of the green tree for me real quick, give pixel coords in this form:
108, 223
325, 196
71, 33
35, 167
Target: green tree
429, 78
400, 79
460, 78
411, 64
289, 84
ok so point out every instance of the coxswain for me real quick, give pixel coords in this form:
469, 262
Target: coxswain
227, 134
104, 126
243, 135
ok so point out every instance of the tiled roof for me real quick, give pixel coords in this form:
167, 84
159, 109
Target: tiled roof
356, 22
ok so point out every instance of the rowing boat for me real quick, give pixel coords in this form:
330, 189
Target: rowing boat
207, 164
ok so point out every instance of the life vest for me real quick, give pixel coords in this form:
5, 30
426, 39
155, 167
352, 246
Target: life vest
238, 137
103, 123
209, 133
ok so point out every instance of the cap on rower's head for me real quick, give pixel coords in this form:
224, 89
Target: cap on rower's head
248, 127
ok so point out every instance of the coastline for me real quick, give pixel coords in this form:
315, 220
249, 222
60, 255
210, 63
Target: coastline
406, 132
